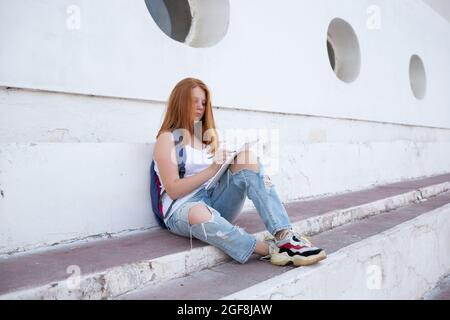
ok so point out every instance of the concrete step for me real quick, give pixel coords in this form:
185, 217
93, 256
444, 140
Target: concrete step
108, 268
441, 290
394, 255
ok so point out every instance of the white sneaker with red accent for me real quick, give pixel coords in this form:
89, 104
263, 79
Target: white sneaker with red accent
297, 249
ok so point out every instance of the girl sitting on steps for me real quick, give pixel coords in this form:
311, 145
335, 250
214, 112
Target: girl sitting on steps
208, 215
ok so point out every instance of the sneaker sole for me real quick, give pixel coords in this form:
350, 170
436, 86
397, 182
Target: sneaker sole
283, 259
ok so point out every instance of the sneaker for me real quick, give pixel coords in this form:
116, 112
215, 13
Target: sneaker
296, 248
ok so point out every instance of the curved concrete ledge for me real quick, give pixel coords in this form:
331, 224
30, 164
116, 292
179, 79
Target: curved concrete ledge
401, 263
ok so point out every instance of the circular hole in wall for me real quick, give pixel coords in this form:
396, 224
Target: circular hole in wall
343, 50
417, 77
197, 23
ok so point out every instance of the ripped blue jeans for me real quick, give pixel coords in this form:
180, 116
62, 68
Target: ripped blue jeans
225, 202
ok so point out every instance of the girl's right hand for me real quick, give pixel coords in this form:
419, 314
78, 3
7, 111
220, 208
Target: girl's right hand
221, 156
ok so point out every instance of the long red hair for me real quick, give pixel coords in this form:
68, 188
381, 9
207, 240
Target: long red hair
180, 114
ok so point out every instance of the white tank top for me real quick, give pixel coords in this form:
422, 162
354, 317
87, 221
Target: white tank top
196, 161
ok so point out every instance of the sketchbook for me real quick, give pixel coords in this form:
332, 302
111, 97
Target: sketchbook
227, 163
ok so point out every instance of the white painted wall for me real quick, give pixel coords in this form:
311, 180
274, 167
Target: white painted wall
440, 6
76, 135
272, 58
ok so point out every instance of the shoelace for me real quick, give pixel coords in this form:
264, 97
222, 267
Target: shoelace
304, 240
301, 238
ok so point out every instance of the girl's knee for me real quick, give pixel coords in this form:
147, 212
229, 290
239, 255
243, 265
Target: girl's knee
199, 213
